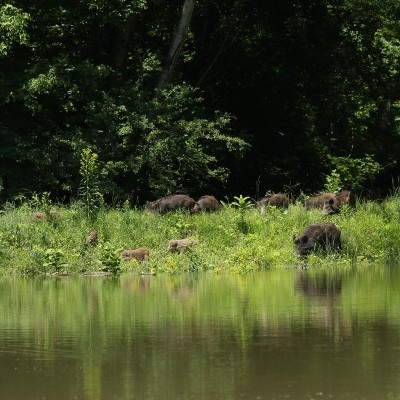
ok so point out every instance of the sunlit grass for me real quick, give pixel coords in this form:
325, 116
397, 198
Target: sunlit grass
370, 234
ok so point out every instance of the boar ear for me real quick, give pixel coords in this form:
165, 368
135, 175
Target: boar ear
304, 239
331, 201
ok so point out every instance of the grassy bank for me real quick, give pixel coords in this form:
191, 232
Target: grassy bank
230, 240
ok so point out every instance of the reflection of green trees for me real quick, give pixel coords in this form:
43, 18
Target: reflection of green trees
145, 328
81, 303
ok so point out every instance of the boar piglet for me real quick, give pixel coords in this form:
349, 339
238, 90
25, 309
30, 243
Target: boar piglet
92, 239
325, 236
140, 254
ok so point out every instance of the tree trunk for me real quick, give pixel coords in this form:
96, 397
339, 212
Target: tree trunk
177, 42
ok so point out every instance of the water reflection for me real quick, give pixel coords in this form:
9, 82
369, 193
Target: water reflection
271, 335
322, 291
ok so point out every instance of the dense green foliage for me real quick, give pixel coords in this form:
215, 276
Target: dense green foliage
236, 239
261, 96
89, 190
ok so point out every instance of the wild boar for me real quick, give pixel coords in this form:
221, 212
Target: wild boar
92, 239
140, 254
173, 202
330, 207
330, 203
278, 200
345, 197
181, 244
39, 216
325, 237
43, 216
318, 201
206, 203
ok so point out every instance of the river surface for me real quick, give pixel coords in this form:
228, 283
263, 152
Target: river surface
280, 334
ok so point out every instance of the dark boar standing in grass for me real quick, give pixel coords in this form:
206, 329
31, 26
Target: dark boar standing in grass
206, 203
325, 237
318, 201
345, 197
174, 202
330, 207
278, 200
330, 203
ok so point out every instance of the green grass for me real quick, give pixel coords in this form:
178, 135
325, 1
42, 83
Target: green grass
231, 240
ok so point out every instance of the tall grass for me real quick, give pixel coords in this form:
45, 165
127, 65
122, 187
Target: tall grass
370, 234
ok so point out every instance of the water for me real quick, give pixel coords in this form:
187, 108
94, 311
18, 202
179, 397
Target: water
291, 334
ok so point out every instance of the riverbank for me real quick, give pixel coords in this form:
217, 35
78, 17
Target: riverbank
231, 240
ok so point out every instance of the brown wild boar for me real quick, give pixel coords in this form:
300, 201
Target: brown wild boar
181, 244
330, 207
325, 237
345, 197
318, 201
173, 202
39, 216
92, 239
278, 200
140, 254
42, 216
330, 203
206, 203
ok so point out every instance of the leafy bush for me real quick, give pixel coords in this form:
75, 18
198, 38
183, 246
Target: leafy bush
182, 147
242, 203
110, 258
13, 24
89, 190
48, 260
350, 173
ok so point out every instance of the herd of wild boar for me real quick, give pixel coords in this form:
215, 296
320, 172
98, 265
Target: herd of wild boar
322, 236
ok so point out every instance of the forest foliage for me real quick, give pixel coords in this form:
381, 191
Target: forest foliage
221, 97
